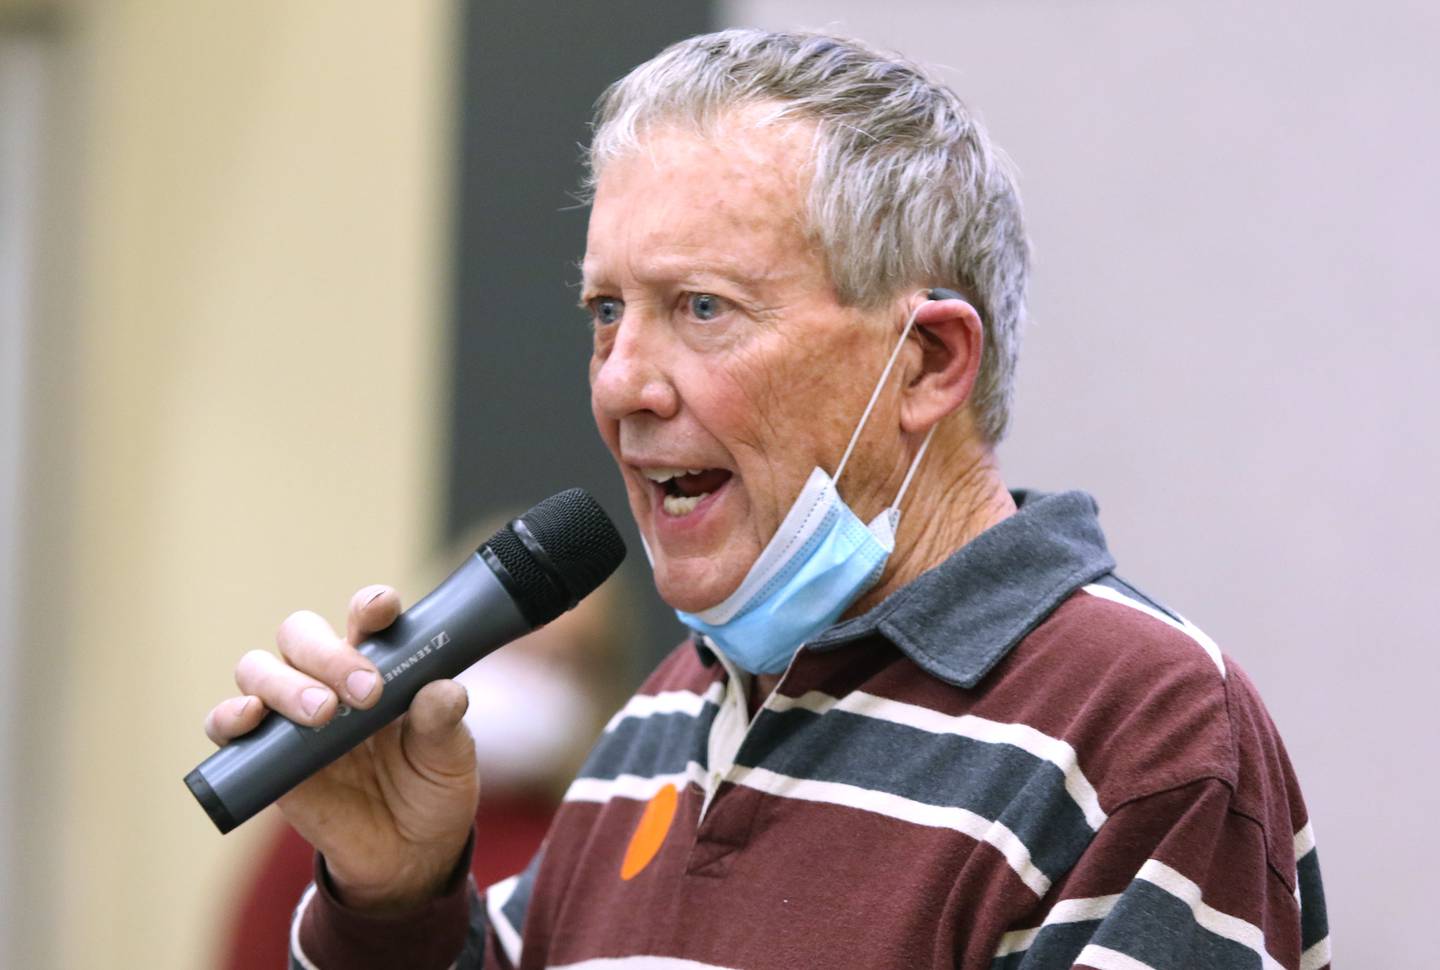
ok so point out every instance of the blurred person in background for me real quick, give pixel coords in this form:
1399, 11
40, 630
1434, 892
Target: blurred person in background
534, 709
922, 721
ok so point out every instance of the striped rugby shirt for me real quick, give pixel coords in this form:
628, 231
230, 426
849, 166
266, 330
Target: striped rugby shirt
1017, 762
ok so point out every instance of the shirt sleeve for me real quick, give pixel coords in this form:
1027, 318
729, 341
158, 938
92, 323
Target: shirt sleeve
448, 933
1180, 879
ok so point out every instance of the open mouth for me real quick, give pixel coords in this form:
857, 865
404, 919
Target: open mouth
682, 489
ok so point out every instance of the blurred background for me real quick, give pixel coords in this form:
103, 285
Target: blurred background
286, 307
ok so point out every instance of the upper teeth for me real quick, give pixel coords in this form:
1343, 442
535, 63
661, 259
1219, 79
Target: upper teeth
663, 475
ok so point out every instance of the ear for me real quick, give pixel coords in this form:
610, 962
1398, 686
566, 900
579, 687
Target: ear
951, 339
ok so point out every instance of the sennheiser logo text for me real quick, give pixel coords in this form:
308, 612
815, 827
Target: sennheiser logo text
437, 642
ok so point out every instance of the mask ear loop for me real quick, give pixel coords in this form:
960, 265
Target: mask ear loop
880, 386
914, 465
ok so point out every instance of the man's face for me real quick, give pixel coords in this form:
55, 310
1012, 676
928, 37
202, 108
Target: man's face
720, 348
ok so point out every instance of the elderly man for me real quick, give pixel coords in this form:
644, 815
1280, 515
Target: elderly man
922, 721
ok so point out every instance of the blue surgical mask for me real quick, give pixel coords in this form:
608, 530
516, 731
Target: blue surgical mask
820, 560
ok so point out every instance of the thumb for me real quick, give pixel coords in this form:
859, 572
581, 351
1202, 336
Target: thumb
434, 737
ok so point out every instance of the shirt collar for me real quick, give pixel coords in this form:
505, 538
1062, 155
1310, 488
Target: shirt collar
958, 620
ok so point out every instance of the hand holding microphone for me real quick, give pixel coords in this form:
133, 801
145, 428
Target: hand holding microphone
383, 781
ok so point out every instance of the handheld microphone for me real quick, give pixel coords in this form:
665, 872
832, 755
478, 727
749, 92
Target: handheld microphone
525, 575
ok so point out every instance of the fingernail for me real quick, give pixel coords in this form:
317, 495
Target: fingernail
360, 683
375, 595
242, 706
312, 699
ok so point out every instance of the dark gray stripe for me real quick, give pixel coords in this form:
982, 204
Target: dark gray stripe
1056, 946
660, 744
1314, 922
996, 781
519, 902
472, 957
1156, 928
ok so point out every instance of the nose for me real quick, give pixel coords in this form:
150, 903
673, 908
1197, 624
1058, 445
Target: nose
632, 375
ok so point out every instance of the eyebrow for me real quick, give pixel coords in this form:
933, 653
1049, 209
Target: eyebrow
673, 268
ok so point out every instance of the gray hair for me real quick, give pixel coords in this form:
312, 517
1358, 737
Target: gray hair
907, 188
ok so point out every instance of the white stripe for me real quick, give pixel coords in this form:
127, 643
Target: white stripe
299, 954
667, 702
1304, 844
1104, 958
1317, 956
295, 950
506, 932
639, 963
631, 786
1304, 841
1023, 736
1183, 625
1065, 911
1221, 924
883, 803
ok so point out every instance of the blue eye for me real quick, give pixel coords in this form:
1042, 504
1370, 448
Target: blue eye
606, 310
706, 306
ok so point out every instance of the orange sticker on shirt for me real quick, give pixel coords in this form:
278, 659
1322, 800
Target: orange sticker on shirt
650, 833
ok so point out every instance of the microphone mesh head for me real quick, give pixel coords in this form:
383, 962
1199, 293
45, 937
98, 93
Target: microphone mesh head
578, 540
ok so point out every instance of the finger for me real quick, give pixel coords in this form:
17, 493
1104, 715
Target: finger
233, 717
372, 609
434, 736
308, 643
282, 688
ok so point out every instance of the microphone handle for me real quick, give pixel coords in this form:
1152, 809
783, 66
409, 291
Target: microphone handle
465, 618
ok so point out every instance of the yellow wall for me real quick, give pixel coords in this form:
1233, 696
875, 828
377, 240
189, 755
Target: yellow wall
253, 338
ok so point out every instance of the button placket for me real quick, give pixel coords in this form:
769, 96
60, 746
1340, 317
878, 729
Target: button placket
727, 732
733, 722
